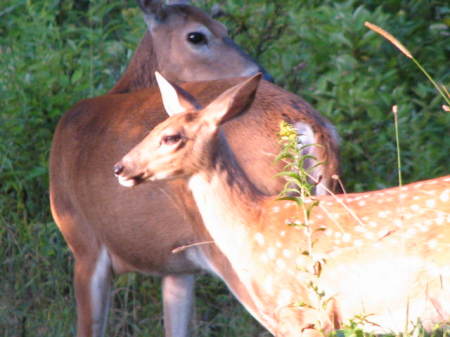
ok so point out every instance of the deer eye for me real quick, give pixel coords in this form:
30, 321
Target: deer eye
197, 38
171, 139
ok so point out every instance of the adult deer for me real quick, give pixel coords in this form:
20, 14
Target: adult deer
382, 255
113, 230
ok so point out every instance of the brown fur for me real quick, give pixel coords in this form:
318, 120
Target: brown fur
140, 71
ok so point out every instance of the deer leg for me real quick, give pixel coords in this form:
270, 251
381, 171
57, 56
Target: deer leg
178, 298
93, 293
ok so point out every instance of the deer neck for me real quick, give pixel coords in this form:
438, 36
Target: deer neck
228, 202
140, 71
230, 207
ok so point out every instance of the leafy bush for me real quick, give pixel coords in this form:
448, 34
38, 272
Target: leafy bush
54, 53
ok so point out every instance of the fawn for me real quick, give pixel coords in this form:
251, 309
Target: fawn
380, 256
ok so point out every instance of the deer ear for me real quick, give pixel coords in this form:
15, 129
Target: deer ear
150, 7
232, 102
154, 12
175, 99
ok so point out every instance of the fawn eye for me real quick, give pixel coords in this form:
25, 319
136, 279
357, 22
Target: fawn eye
197, 38
171, 139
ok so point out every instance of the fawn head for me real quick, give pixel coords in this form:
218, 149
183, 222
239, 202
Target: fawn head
184, 143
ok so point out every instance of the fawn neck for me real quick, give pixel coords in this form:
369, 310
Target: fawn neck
228, 202
233, 211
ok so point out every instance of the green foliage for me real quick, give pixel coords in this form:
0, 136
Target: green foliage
54, 53
51, 55
298, 185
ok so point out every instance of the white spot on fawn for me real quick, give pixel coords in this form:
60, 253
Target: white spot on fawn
369, 235
346, 237
284, 298
432, 244
281, 264
415, 208
259, 238
410, 233
287, 253
431, 203
445, 195
264, 258
299, 261
383, 214
398, 223
373, 224
271, 253
268, 284
423, 228
360, 229
358, 243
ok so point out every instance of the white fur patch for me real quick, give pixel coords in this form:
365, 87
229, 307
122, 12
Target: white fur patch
100, 285
126, 182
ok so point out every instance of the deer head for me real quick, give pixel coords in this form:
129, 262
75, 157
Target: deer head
191, 46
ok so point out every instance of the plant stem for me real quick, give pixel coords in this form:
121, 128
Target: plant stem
432, 81
397, 140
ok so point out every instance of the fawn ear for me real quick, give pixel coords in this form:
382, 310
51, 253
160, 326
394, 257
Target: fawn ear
175, 99
232, 102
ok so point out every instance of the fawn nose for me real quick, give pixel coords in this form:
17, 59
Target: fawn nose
118, 169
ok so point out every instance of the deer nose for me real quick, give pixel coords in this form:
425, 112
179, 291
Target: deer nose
118, 169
